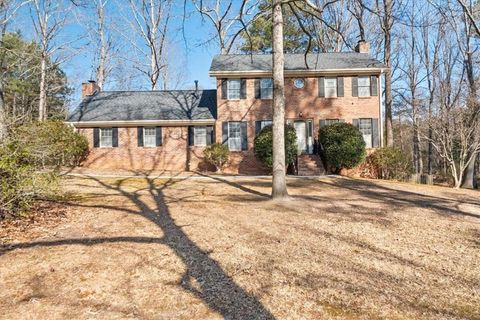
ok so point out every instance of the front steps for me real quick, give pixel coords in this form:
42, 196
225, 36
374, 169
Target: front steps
310, 165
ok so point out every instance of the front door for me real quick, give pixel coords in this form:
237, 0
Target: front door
301, 130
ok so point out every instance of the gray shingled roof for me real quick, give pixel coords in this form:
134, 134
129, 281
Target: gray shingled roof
147, 105
294, 62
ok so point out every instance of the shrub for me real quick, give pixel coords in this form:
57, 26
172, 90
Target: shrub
52, 144
392, 163
24, 158
263, 145
343, 146
217, 154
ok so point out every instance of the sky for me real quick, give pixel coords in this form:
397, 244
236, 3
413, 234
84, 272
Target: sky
192, 47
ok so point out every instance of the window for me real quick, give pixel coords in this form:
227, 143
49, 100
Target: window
234, 136
149, 137
106, 137
331, 121
264, 123
365, 127
330, 87
364, 86
299, 83
233, 88
266, 88
200, 135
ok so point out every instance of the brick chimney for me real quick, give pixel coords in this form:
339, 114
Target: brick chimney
89, 88
362, 47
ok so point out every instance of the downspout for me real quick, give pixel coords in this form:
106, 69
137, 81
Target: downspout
381, 96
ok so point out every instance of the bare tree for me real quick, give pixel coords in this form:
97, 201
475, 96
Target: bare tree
279, 184
104, 43
150, 20
48, 17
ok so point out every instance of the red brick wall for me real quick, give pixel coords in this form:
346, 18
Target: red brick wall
305, 101
173, 155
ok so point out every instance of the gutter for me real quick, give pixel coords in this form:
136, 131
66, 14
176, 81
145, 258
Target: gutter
137, 123
300, 73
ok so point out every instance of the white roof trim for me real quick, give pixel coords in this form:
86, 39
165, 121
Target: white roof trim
311, 72
136, 123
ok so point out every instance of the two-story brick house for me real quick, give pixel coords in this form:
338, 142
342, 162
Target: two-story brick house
168, 130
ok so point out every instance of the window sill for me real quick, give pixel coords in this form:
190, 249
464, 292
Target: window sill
369, 97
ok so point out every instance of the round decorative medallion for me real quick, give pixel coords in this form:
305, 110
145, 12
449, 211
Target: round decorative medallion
299, 83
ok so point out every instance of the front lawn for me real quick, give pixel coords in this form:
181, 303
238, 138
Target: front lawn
213, 248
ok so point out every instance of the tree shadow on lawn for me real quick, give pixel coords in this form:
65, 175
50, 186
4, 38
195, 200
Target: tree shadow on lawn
214, 287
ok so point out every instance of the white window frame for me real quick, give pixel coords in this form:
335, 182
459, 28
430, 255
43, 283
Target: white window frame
197, 131
330, 90
229, 81
101, 137
264, 123
366, 131
365, 86
230, 139
152, 138
266, 92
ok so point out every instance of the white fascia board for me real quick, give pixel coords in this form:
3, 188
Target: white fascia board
298, 73
138, 123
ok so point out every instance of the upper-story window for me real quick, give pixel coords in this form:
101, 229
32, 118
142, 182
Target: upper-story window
106, 137
330, 87
364, 86
234, 89
266, 88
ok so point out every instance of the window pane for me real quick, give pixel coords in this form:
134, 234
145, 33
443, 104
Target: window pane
234, 136
149, 137
363, 81
364, 91
233, 86
330, 87
331, 121
365, 127
265, 123
106, 137
200, 136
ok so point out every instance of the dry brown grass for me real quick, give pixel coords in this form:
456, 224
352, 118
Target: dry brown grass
219, 248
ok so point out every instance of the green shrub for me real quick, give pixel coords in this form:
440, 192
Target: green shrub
29, 161
392, 163
217, 154
52, 144
342, 145
263, 145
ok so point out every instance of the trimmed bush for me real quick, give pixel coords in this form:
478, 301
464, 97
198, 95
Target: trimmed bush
342, 145
392, 163
263, 145
217, 154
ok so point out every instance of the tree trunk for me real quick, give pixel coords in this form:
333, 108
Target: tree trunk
279, 185
42, 104
470, 174
388, 74
103, 50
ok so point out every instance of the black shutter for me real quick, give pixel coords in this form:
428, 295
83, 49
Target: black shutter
243, 130
258, 94
224, 88
190, 136
96, 137
354, 86
158, 136
225, 133
373, 86
375, 133
321, 87
210, 137
340, 87
258, 127
140, 136
243, 89
114, 137
323, 123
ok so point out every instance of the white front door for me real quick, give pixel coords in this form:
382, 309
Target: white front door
301, 130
